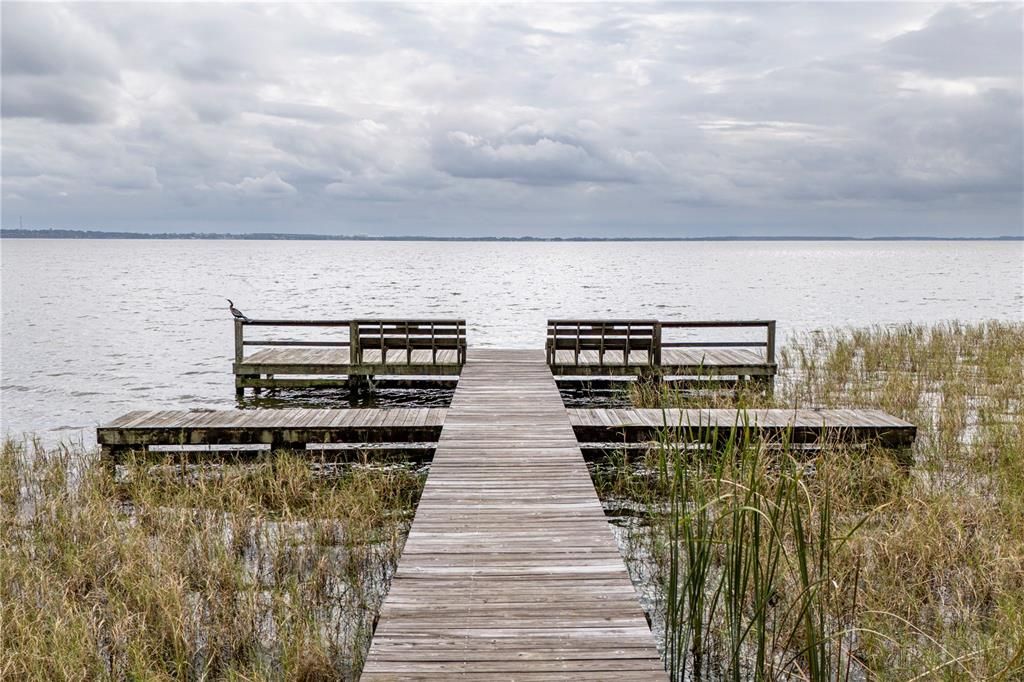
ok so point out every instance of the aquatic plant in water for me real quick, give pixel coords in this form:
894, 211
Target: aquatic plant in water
848, 563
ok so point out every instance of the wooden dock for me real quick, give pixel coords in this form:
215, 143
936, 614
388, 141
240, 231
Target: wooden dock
299, 428
707, 425
287, 428
510, 570
347, 353
660, 348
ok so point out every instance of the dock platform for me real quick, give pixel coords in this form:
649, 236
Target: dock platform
662, 348
510, 569
776, 425
347, 353
299, 428
288, 428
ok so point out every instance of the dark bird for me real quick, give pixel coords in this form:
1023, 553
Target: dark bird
235, 312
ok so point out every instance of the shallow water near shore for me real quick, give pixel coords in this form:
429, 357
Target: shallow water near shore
92, 329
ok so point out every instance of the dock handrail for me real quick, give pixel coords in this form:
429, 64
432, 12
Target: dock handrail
241, 342
643, 335
367, 334
408, 335
768, 344
625, 336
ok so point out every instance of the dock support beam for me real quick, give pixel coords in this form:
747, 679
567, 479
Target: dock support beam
108, 459
359, 383
239, 356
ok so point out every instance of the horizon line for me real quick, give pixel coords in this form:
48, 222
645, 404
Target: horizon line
63, 233
67, 233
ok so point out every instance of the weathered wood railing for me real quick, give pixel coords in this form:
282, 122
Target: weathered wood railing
408, 336
624, 337
768, 344
241, 342
616, 336
379, 335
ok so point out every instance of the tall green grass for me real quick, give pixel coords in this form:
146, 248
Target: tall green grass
750, 590
849, 563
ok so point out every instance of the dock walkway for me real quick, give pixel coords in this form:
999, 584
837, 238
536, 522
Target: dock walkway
294, 428
299, 428
510, 569
631, 425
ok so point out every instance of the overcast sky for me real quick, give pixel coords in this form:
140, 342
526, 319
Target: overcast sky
595, 119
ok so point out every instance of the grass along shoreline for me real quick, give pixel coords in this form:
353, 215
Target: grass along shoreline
755, 564
769, 564
272, 571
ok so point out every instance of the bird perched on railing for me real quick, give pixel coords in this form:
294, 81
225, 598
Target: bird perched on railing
235, 312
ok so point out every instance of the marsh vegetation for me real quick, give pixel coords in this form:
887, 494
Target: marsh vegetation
768, 562
267, 571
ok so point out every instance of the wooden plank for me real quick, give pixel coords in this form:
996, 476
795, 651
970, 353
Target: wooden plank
294, 427
510, 569
802, 425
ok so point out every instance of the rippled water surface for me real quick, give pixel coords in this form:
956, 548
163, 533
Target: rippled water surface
92, 329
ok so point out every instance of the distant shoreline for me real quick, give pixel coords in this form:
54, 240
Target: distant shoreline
277, 236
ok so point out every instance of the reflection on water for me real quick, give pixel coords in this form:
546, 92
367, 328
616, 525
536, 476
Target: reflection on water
95, 328
341, 398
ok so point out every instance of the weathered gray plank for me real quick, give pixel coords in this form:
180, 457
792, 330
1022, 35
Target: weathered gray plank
293, 427
701, 424
510, 569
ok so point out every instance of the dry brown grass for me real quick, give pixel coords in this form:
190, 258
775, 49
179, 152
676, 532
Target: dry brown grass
270, 571
747, 394
926, 561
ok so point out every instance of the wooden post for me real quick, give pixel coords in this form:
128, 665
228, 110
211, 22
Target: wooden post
239, 342
357, 384
239, 356
433, 343
353, 343
552, 342
769, 386
625, 351
108, 460
656, 343
576, 357
461, 333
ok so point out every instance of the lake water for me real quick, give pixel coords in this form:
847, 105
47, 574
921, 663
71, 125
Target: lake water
92, 329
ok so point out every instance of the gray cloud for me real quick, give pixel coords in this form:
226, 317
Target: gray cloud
529, 119
958, 42
55, 67
30, 97
49, 40
531, 156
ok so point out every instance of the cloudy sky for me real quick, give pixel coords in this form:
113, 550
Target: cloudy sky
459, 119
